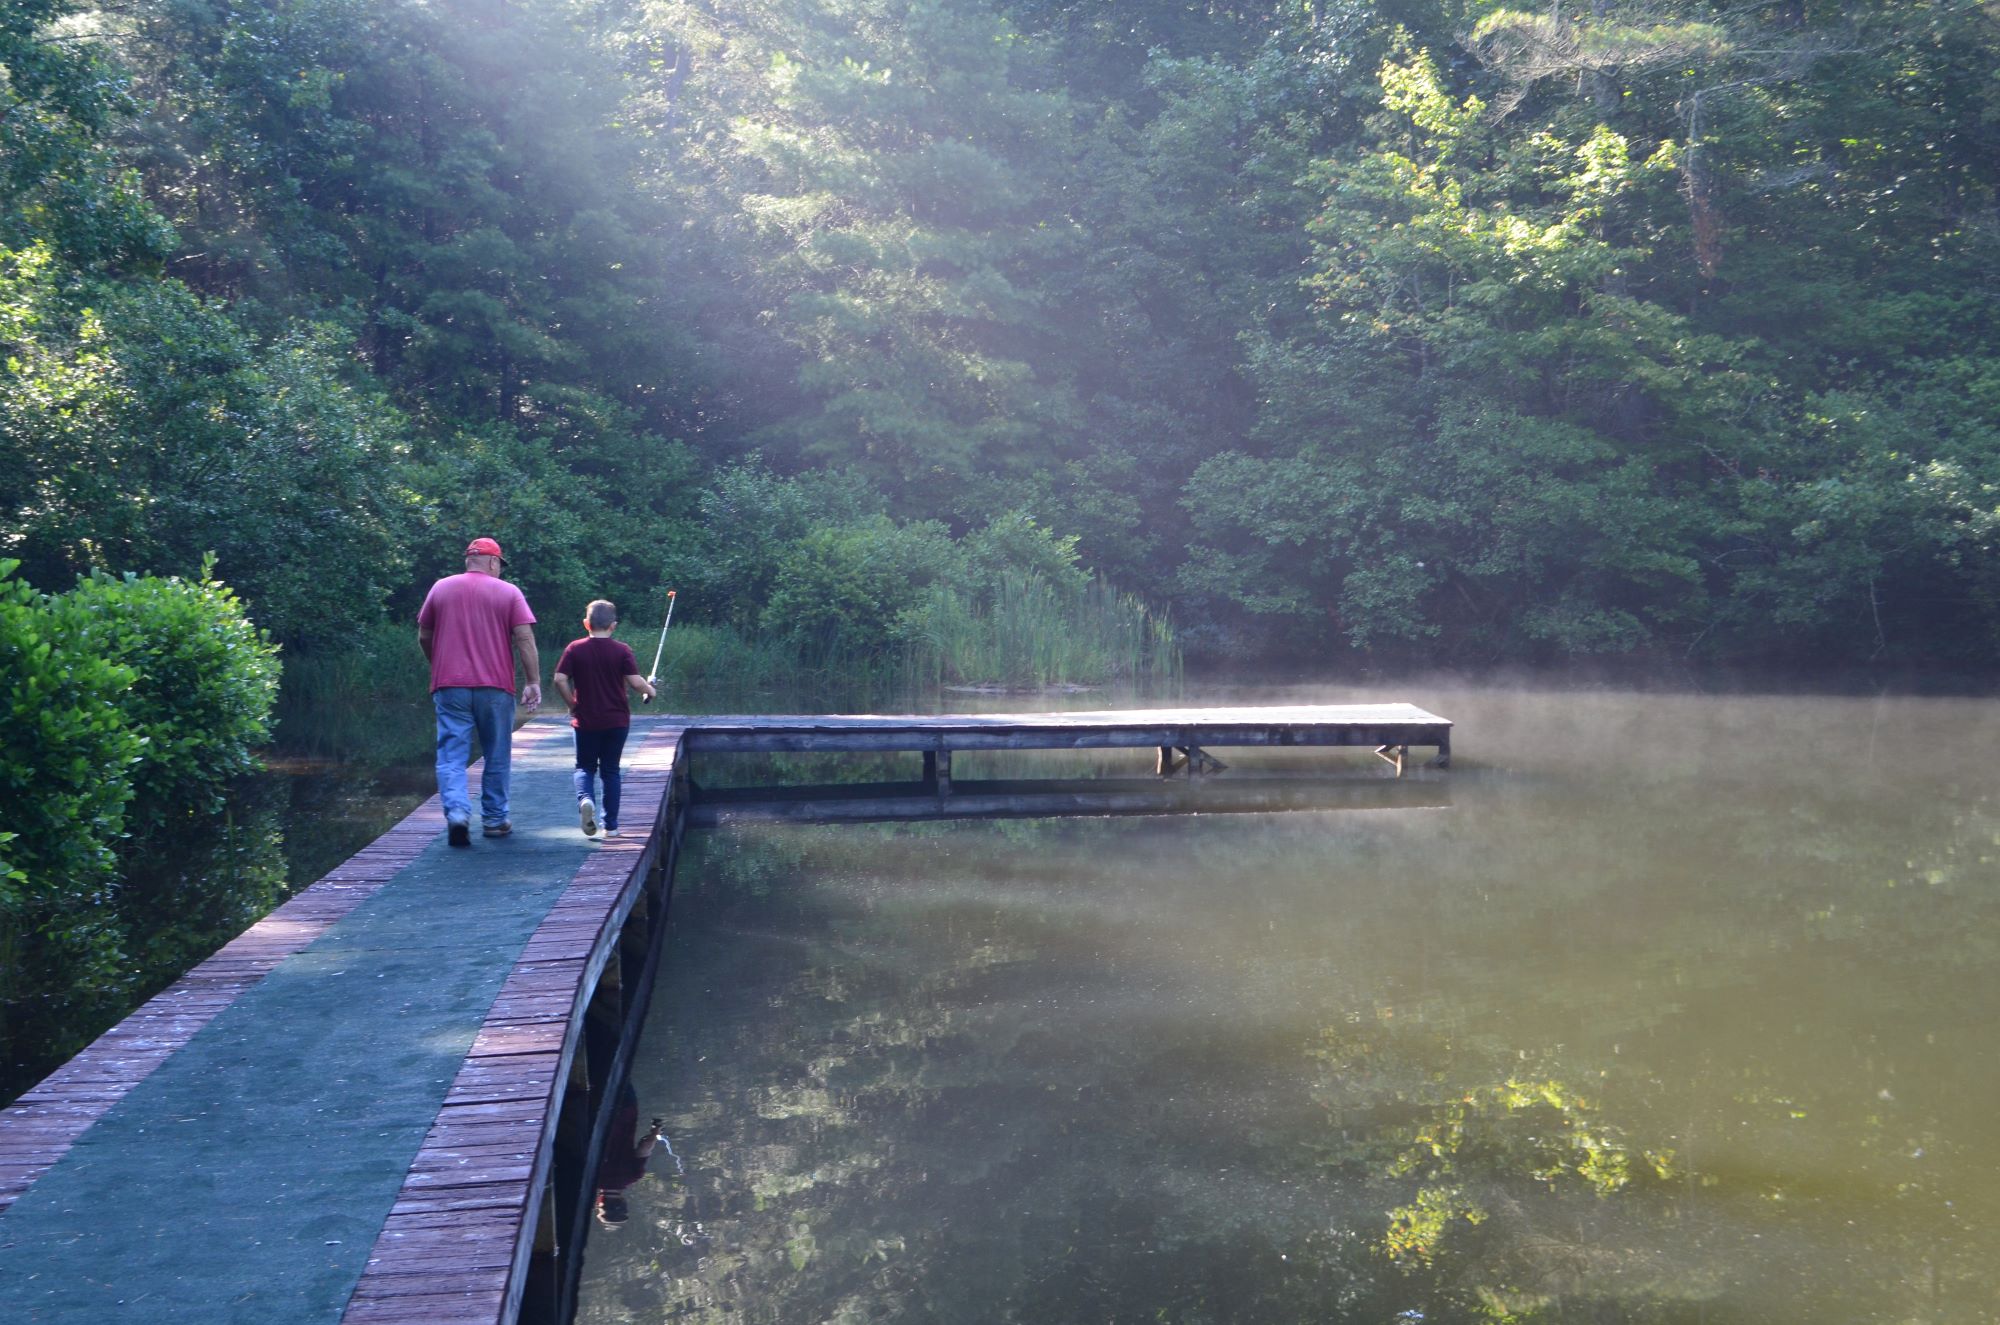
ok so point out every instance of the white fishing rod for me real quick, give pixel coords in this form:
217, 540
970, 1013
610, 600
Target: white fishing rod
654, 678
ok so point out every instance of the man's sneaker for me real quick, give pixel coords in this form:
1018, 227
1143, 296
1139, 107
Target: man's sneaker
587, 813
458, 833
500, 829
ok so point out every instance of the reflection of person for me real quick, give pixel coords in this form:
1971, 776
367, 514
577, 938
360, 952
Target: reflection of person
626, 1152
594, 676
472, 627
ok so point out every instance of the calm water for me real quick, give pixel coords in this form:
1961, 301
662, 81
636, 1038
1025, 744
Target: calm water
1682, 1010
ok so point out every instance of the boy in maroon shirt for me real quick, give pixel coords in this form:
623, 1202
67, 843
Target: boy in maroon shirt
593, 677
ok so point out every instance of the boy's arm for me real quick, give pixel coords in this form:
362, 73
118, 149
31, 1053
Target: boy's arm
565, 688
634, 681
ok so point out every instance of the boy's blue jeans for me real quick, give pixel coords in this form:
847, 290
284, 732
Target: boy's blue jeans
462, 711
598, 753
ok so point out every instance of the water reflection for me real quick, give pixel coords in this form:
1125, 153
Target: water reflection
1682, 1013
627, 1153
345, 773
189, 888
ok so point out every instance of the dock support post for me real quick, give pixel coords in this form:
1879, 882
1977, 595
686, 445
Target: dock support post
539, 1295
937, 771
1443, 759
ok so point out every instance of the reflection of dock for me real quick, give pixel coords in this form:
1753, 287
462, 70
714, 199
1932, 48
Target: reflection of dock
384, 1102
1039, 798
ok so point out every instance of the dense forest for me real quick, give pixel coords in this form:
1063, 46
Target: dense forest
1403, 330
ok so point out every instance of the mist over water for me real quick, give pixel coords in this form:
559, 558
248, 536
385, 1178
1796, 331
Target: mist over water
1681, 1010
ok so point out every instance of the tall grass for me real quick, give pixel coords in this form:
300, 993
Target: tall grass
1033, 633
380, 662
713, 661
368, 700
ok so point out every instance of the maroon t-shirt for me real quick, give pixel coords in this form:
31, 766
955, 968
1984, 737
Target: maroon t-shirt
597, 669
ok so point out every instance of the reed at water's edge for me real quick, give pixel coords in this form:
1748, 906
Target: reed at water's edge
1034, 633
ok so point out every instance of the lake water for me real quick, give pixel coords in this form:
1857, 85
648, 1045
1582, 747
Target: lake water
1682, 1009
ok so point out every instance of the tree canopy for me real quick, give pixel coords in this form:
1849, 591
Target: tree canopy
1409, 329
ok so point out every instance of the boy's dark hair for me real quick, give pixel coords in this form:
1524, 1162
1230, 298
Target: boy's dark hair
601, 614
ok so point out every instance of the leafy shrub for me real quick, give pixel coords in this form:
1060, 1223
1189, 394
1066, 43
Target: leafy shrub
66, 755
133, 703
204, 681
849, 591
752, 520
1013, 545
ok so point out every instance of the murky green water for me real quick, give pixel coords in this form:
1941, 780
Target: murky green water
1682, 1010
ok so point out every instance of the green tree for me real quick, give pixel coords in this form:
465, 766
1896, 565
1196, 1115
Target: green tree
881, 170
141, 427
61, 184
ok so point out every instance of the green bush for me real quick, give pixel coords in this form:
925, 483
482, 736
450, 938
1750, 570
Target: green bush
204, 681
852, 591
133, 704
66, 758
1014, 546
751, 522
708, 664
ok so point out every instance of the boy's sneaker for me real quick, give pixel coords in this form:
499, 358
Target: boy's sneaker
586, 813
458, 833
500, 829
613, 832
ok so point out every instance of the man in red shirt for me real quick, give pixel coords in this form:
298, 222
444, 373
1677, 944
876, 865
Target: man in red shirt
472, 627
593, 676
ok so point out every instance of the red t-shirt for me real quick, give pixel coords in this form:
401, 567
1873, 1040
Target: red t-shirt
597, 669
472, 618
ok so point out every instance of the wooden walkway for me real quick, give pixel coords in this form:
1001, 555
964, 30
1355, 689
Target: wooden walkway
495, 1166
1181, 738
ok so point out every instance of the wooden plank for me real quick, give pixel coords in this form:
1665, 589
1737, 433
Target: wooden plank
428, 1309
469, 1194
890, 740
1129, 731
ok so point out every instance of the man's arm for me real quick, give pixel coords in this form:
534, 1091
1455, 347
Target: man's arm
531, 663
427, 639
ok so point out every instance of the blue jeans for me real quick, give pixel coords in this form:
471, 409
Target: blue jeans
598, 752
461, 711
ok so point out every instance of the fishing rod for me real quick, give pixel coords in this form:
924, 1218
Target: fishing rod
653, 679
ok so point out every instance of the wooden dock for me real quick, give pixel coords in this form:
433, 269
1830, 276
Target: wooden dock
1181, 738
328, 1121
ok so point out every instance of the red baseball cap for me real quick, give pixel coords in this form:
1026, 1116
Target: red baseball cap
485, 547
